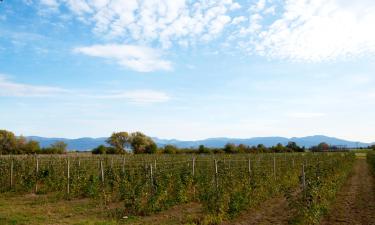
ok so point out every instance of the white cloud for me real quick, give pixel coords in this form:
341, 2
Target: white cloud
10, 88
305, 115
50, 3
163, 21
319, 30
138, 58
238, 20
139, 96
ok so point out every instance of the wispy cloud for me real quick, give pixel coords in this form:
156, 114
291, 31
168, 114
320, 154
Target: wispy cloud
319, 30
138, 58
305, 115
11, 88
166, 21
138, 96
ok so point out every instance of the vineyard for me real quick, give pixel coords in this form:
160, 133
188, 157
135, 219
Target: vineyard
225, 185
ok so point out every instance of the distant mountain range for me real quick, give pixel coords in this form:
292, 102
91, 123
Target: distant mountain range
86, 143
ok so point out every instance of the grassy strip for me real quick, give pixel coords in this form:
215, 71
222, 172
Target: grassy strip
322, 182
371, 159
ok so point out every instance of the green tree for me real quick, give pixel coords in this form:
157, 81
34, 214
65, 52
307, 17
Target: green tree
278, 148
119, 140
203, 150
141, 143
101, 149
323, 146
294, 147
31, 147
230, 148
8, 142
170, 149
261, 148
59, 147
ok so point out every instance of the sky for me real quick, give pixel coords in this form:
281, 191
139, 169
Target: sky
188, 69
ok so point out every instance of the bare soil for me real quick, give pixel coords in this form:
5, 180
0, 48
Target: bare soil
273, 211
355, 203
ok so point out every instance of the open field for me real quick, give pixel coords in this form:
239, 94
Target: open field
234, 189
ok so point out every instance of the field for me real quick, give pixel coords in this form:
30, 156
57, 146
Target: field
294, 188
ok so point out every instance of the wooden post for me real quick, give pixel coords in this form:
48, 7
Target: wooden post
68, 185
303, 177
274, 166
151, 175
102, 171
249, 166
293, 163
216, 174
123, 165
155, 165
11, 174
193, 166
37, 173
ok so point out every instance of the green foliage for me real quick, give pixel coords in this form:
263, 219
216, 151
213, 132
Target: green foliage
224, 184
119, 140
8, 142
323, 179
12, 145
170, 149
371, 159
140, 143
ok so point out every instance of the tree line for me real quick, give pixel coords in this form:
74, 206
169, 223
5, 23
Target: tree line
139, 143
10, 144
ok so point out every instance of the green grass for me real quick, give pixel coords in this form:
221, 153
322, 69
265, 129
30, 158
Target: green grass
42, 209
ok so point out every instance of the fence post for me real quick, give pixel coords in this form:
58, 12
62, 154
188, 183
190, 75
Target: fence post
155, 165
37, 172
193, 166
249, 168
68, 187
102, 171
249, 165
274, 167
151, 177
216, 175
303, 177
293, 163
11, 174
123, 165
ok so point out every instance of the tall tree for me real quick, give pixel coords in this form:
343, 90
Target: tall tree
8, 142
119, 140
141, 143
59, 147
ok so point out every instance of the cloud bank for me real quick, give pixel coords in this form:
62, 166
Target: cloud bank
138, 58
9, 88
297, 30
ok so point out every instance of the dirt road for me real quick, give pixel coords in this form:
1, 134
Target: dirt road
355, 203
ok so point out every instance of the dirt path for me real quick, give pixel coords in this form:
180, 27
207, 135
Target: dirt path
273, 211
355, 203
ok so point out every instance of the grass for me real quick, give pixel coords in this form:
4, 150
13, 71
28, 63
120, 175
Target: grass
33, 209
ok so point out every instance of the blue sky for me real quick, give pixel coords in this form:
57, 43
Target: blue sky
188, 69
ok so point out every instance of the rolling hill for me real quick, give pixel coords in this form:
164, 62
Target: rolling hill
86, 143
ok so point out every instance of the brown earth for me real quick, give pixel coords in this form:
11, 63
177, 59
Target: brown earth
273, 211
355, 203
